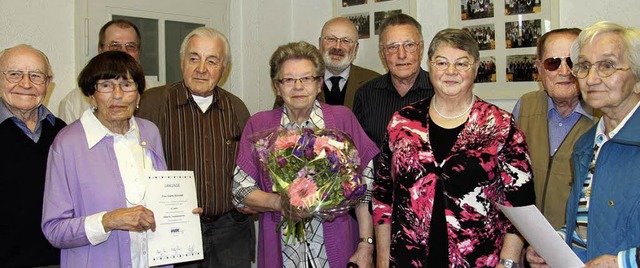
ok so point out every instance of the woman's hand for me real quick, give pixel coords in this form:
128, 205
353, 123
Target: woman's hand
136, 218
363, 256
535, 261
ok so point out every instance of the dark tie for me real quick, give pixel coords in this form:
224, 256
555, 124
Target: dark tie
334, 95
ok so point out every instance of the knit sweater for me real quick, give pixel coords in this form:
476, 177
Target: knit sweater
23, 164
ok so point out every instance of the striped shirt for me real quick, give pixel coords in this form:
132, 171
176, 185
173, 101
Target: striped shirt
377, 100
205, 142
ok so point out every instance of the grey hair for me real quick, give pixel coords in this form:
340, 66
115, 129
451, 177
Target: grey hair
210, 33
630, 37
44, 57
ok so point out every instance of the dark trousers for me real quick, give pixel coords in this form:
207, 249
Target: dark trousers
229, 242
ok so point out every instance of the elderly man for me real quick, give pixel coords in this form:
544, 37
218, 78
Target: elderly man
339, 45
402, 46
114, 35
27, 129
201, 125
552, 120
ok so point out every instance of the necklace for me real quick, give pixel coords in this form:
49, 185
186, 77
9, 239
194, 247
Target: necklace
435, 108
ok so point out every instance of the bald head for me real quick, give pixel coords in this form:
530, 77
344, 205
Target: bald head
338, 44
7, 54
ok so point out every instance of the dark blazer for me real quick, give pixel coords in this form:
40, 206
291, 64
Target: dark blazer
357, 77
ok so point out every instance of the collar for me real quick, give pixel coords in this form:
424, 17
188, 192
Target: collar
95, 131
43, 113
600, 127
422, 81
316, 120
581, 108
344, 74
184, 96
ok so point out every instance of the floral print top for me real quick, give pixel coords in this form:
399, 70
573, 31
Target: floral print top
488, 163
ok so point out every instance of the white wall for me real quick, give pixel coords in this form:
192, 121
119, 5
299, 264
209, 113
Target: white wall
46, 25
257, 28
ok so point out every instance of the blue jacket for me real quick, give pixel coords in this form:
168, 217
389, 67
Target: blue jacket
614, 208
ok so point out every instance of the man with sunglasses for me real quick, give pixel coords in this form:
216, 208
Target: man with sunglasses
117, 34
552, 120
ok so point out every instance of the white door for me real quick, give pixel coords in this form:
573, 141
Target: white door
162, 23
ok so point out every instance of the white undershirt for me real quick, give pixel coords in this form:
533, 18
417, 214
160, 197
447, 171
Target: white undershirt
203, 102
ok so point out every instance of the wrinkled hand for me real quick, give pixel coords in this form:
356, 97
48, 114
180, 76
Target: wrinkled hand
246, 210
603, 261
535, 261
291, 212
197, 211
136, 218
363, 256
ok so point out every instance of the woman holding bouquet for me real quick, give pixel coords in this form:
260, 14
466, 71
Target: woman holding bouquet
444, 164
296, 72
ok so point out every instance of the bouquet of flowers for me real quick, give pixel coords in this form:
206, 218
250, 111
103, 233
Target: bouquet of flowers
316, 172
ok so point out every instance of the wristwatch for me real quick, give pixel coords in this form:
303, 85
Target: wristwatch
509, 263
368, 240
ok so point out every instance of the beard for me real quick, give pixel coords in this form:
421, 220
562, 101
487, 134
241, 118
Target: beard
335, 64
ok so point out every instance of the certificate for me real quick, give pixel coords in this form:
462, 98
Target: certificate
539, 233
171, 195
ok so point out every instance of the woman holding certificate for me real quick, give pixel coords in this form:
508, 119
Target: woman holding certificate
94, 200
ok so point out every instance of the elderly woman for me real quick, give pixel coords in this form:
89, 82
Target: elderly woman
296, 72
604, 196
445, 163
94, 206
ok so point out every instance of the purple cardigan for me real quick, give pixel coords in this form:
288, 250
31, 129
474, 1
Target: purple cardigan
81, 182
341, 235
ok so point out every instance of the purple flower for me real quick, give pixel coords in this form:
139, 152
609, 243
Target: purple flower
357, 179
282, 161
334, 161
358, 191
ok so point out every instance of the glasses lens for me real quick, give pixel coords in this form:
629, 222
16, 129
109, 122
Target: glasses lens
552, 64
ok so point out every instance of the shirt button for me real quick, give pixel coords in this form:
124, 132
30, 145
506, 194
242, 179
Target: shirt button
560, 124
611, 203
228, 142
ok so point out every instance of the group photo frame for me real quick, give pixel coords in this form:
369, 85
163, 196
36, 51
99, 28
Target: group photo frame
507, 32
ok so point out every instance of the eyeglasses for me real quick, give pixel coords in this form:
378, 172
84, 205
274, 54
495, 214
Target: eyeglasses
604, 68
35, 77
108, 86
461, 66
332, 40
409, 46
129, 46
289, 82
553, 63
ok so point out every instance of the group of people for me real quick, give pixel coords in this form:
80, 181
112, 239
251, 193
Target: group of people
437, 159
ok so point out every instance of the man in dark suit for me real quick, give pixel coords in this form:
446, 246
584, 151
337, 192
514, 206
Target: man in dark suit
339, 45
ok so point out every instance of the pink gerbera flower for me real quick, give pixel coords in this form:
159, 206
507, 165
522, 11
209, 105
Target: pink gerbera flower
302, 192
286, 142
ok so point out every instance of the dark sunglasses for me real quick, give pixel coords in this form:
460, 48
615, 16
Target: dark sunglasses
552, 64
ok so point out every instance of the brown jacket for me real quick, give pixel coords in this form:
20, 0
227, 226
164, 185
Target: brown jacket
552, 176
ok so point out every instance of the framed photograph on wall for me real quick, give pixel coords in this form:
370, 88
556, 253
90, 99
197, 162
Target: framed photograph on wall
507, 32
367, 15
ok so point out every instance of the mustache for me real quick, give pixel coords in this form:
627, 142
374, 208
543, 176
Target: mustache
337, 51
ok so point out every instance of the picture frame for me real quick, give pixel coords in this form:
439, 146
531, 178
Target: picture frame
367, 15
507, 32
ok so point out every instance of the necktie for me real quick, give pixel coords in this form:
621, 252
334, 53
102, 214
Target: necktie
334, 95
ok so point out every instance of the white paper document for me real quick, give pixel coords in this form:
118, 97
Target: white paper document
171, 195
541, 235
